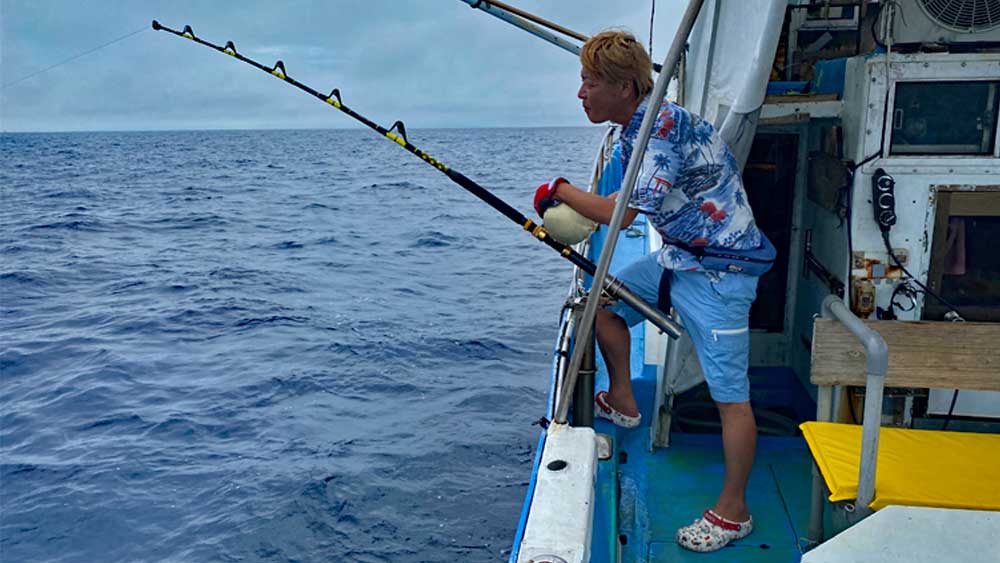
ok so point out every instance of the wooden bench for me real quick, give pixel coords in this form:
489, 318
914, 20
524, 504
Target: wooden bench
912, 467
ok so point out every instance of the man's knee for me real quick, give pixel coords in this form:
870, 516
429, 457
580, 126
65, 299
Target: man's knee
606, 318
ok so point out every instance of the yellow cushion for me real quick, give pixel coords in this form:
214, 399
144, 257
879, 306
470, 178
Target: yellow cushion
915, 467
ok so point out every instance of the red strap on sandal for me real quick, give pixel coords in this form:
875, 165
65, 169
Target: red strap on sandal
720, 521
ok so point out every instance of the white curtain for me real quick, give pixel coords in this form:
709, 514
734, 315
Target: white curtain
729, 62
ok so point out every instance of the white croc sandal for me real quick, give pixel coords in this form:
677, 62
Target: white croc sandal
712, 532
606, 411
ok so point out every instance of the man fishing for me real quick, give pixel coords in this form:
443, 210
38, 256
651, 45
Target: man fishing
690, 189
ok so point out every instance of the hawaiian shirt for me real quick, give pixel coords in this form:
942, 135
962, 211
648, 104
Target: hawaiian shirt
689, 186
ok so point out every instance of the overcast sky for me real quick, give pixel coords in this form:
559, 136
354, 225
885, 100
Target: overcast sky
430, 63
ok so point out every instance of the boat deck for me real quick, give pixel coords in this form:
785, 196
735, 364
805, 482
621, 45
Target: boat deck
672, 486
658, 492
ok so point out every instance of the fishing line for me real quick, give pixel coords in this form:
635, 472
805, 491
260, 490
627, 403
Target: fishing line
397, 133
75, 57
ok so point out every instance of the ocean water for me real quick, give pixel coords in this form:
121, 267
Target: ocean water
271, 345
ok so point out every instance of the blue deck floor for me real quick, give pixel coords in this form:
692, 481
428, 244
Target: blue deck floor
658, 492
672, 486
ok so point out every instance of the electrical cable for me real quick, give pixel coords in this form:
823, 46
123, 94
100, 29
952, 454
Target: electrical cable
884, 7
850, 405
924, 288
848, 198
901, 288
951, 410
875, 37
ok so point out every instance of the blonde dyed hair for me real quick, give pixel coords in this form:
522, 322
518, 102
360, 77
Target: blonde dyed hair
616, 56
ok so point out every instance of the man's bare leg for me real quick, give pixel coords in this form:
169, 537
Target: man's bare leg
615, 341
739, 443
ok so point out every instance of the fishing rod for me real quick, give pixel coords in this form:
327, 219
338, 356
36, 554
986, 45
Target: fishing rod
526, 25
521, 18
614, 287
485, 5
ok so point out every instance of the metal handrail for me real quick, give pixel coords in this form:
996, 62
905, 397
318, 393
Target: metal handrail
877, 363
631, 175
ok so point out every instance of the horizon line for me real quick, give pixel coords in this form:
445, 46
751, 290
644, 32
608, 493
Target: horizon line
355, 128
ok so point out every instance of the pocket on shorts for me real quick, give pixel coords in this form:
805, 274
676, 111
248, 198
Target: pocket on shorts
725, 364
734, 288
723, 332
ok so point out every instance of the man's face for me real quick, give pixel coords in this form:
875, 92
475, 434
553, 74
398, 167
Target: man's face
602, 100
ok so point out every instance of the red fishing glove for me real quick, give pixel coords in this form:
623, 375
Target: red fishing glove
545, 195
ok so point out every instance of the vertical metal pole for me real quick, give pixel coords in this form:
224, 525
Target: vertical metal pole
869, 442
817, 502
631, 175
710, 59
583, 393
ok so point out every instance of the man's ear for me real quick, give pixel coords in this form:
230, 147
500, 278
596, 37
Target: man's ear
627, 91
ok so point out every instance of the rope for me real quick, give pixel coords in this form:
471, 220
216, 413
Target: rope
74, 57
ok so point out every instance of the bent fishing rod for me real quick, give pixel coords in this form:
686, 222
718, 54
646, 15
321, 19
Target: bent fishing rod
614, 287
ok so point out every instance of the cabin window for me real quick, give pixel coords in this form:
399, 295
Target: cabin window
945, 118
965, 267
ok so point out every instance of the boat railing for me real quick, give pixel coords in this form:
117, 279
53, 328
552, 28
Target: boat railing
877, 363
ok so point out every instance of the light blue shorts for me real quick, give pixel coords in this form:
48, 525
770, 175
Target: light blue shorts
715, 310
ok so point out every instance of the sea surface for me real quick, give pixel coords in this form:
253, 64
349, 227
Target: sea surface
272, 345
